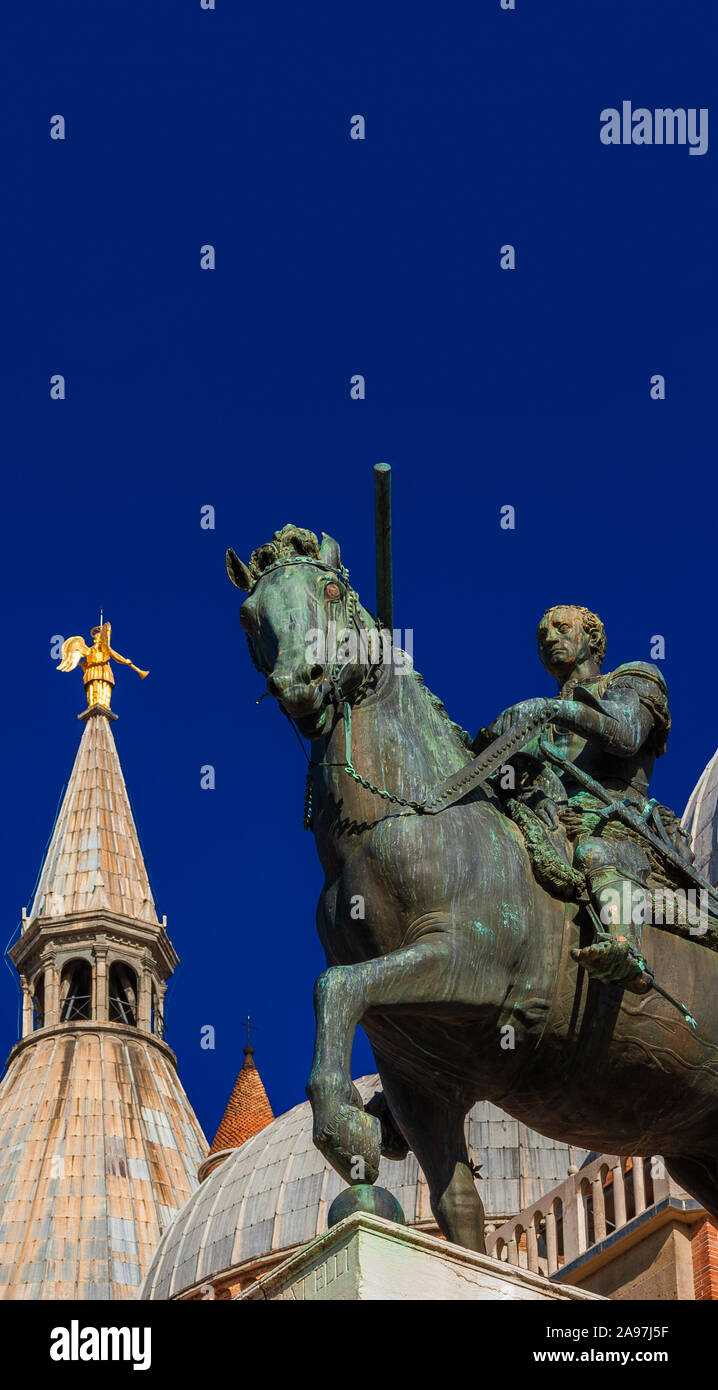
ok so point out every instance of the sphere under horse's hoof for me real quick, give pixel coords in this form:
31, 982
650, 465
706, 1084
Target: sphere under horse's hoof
364, 1197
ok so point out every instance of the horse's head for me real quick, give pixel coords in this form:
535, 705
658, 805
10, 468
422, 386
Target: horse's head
299, 606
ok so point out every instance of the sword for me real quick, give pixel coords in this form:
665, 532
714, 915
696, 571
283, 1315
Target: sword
634, 819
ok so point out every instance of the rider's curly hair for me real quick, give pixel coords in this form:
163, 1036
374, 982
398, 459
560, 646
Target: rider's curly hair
592, 626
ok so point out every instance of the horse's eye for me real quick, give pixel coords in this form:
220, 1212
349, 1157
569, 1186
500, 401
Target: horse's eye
332, 591
246, 618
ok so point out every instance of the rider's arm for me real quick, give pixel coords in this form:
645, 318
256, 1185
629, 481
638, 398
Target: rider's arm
622, 725
513, 715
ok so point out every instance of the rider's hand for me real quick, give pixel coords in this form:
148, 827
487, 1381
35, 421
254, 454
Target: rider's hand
515, 713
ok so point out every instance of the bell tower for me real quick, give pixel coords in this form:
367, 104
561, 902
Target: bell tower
99, 1145
92, 948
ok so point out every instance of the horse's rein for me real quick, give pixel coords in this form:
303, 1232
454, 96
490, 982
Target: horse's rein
454, 787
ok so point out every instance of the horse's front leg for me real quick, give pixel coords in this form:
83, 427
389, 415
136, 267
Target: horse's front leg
349, 1138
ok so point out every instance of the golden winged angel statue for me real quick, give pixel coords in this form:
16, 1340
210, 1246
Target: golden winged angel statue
98, 679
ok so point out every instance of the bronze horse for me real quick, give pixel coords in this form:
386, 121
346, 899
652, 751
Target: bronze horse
441, 943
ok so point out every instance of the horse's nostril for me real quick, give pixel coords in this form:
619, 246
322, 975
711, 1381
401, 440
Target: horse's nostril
315, 673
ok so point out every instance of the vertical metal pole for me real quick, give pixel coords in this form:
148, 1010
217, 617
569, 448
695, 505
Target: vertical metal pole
382, 526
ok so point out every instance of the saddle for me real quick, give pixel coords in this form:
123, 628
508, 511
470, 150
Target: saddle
667, 888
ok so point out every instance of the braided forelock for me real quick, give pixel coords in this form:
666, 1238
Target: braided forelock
284, 545
592, 626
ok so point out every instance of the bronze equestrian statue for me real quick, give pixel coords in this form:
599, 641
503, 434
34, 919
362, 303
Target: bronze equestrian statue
613, 727
443, 935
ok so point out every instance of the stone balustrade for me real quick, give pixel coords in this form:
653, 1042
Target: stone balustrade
590, 1204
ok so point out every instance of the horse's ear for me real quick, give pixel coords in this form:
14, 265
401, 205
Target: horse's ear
329, 552
237, 571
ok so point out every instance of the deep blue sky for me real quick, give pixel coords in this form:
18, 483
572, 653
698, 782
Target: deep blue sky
231, 388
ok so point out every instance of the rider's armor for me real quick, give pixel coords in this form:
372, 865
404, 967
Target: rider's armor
626, 736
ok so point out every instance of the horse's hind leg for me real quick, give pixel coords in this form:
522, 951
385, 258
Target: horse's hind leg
699, 1176
435, 1130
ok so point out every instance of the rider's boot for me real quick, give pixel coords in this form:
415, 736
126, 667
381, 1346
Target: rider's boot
615, 956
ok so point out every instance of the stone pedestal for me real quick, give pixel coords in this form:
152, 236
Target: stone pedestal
367, 1258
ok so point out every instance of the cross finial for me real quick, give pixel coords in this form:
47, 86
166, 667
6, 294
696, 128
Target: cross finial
250, 1026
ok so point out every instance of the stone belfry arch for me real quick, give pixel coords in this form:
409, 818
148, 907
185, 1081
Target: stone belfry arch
99, 1145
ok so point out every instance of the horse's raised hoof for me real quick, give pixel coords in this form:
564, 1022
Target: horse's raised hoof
349, 1138
351, 1141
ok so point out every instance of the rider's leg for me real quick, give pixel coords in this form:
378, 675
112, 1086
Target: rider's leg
614, 870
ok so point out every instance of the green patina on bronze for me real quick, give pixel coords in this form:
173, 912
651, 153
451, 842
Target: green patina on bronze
593, 1063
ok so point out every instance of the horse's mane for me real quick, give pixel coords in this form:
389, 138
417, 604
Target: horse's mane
293, 541
287, 544
461, 736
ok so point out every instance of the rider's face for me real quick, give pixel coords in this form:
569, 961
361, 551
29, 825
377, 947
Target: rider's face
562, 641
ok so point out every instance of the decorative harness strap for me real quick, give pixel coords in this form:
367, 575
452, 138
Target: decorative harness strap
453, 788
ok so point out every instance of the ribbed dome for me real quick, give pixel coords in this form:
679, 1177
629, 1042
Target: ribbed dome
99, 1148
274, 1192
700, 819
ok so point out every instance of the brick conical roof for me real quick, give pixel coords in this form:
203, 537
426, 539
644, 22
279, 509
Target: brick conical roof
94, 860
248, 1109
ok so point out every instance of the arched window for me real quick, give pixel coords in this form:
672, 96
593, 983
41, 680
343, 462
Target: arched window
75, 991
157, 1023
648, 1180
38, 1001
586, 1200
539, 1224
123, 994
629, 1189
558, 1214
609, 1204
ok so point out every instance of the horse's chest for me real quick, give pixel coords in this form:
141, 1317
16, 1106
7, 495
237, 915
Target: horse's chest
391, 877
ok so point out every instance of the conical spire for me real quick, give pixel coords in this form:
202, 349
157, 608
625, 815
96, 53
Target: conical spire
248, 1109
94, 860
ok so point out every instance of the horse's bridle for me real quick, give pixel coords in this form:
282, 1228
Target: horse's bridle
352, 618
343, 704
